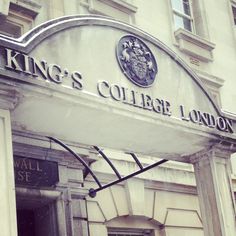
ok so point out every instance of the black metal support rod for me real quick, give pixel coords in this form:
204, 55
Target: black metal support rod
92, 192
136, 160
78, 158
108, 161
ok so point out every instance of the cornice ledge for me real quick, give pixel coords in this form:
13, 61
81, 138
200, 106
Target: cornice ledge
223, 149
202, 155
213, 80
194, 45
27, 7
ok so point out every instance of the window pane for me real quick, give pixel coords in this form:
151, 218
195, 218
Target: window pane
177, 5
178, 22
181, 6
186, 7
182, 22
187, 24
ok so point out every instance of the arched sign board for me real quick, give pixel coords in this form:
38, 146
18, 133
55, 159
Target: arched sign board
97, 81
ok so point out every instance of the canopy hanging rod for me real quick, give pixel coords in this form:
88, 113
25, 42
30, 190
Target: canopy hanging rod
136, 159
108, 161
93, 192
79, 158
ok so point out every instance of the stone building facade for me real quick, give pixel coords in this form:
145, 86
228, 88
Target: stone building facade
121, 78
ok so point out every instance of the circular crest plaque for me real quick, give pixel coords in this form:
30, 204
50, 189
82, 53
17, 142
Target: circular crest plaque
136, 60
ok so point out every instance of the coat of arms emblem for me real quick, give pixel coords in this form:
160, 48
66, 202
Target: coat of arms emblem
137, 61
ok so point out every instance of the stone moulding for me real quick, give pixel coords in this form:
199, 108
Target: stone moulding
194, 45
125, 6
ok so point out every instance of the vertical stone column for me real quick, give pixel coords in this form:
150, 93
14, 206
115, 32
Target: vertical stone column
213, 178
9, 97
7, 186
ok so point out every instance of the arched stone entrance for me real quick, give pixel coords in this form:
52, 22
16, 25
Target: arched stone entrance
63, 79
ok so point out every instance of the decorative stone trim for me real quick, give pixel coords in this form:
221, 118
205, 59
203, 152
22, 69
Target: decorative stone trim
213, 83
120, 9
122, 4
9, 96
211, 80
16, 24
219, 150
33, 145
27, 7
17, 16
194, 45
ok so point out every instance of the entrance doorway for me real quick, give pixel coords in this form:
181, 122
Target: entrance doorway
36, 216
25, 222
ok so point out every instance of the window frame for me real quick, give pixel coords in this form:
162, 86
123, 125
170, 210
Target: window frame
196, 43
233, 6
183, 16
234, 15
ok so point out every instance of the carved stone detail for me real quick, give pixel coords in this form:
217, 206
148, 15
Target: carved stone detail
137, 61
9, 96
221, 150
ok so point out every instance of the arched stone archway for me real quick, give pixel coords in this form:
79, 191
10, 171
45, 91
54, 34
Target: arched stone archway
59, 79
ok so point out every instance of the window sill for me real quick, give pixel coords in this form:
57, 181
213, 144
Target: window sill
118, 9
194, 45
122, 5
27, 7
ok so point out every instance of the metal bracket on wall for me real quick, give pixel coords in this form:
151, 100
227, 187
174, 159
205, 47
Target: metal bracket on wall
93, 192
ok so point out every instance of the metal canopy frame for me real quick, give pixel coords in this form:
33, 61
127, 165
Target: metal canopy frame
92, 191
